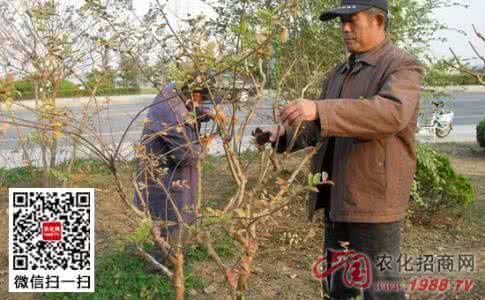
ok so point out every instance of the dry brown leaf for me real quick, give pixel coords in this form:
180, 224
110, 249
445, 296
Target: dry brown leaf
56, 134
206, 140
140, 148
280, 181
264, 234
231, 278
77, 177
220, 118
284, 34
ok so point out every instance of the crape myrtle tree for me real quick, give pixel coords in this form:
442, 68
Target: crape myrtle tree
176, 54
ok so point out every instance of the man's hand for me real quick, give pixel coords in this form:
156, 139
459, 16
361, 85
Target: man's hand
268, 136
298, 111
277, 132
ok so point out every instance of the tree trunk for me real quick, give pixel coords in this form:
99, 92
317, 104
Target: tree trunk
71, 163
53, 148
43, 147
178, 278
22, 141
53, 152
199, 189
245, 271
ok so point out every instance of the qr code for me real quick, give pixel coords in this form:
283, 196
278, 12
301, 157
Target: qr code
51, 240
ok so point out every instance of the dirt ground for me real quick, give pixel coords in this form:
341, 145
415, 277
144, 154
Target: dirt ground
284, 272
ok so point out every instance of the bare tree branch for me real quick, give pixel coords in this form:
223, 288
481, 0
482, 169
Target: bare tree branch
158, 266
480, 36
460, 67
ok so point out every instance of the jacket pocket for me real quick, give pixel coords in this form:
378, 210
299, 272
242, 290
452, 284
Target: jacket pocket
365, 173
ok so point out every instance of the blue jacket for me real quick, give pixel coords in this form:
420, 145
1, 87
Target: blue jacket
177, 149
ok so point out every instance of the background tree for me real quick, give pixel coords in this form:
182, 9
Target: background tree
128, 72
313, 47
44, 41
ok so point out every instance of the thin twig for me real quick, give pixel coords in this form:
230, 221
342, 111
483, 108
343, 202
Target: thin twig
460, 67
311, 152
479, 35
158, 266
477, 53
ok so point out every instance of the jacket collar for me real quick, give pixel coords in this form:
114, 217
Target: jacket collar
370, 57
172, 91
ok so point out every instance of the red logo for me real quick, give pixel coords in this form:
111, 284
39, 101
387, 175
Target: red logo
51, 231
357, 268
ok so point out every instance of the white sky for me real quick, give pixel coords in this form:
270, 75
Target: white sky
462, 19
176, 8
457, 17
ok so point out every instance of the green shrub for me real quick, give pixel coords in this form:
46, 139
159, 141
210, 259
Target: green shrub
481, 133
67, 85
18, 176
100, 92
442, 78
68, 89
87, 166
437, 185
26, 87
30, 176
87, 93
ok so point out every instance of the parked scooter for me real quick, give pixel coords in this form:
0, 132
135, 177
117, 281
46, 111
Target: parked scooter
441, 120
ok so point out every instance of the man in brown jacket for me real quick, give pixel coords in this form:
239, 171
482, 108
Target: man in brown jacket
365, 122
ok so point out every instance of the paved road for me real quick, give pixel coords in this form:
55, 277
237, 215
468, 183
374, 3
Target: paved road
110, 123
112, 120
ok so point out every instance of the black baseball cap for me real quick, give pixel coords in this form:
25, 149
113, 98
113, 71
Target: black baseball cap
350, 7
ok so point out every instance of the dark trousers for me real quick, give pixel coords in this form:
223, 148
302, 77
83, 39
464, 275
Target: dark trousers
380, 243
